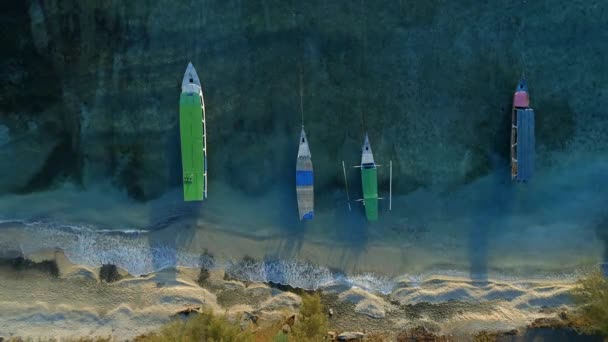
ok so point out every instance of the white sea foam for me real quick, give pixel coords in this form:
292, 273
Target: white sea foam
138, 253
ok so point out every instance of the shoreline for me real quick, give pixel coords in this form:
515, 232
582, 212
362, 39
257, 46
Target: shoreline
133, 306
138, 252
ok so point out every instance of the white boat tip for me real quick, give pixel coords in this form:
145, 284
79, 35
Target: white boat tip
366, 152
366, 141
190, 77
303, 150
190, 69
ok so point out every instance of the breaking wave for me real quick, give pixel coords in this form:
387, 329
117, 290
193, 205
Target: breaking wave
134, 251
131, 250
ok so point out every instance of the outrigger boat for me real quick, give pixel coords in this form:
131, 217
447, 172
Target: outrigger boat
304, 180
369, 182
522, 135
193, 136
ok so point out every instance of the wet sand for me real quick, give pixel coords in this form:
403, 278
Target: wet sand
76, 303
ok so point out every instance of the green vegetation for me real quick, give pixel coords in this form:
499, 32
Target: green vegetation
74, 339
591, 295
281, 337
485, 336
205, 326
312, 324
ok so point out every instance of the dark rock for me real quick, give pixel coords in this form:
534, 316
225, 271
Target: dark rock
547, 322
207, 261
351, 336
248, 318
291, 320
187, 312
289, 288
203, 277
421, 334
22, 264
109, 273
251, 316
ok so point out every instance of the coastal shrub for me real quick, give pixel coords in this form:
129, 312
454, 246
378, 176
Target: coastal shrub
205, 326
280, 337
591, 297
69, 339
485, 336
312, 325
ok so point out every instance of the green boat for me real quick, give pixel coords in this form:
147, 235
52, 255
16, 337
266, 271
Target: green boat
193, 137
369, 181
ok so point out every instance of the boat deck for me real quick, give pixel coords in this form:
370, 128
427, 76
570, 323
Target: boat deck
305, 187
192, 147
523, 144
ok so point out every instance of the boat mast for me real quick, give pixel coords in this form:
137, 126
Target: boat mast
301, 96
390, 187
362, 97
346, 186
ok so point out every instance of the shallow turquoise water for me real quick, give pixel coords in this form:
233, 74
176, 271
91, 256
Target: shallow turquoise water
97, 152
492, 228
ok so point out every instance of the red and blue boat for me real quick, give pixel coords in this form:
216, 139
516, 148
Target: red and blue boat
522, 135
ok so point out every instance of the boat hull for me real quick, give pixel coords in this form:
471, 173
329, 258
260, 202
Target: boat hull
369, 182
304, 180
305, 188
193, 151
522, 135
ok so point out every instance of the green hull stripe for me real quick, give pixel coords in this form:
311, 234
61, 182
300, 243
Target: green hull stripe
192, 142
369, 180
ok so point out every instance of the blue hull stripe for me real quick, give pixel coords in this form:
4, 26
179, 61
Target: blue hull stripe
304, 178
308, 216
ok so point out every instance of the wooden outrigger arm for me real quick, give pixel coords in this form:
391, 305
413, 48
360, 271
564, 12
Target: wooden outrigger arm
390, 187
346, 185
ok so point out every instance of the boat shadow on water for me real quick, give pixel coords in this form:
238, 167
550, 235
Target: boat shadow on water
351, 235
601, 230
497, 201
172, 224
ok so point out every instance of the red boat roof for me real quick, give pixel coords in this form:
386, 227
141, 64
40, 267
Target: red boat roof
521, 99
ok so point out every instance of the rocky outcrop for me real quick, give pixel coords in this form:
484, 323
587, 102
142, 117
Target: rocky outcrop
22, 264
351, 336
282, 301
109, 273
365, 303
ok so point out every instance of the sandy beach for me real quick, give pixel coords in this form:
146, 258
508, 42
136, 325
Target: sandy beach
77, 302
